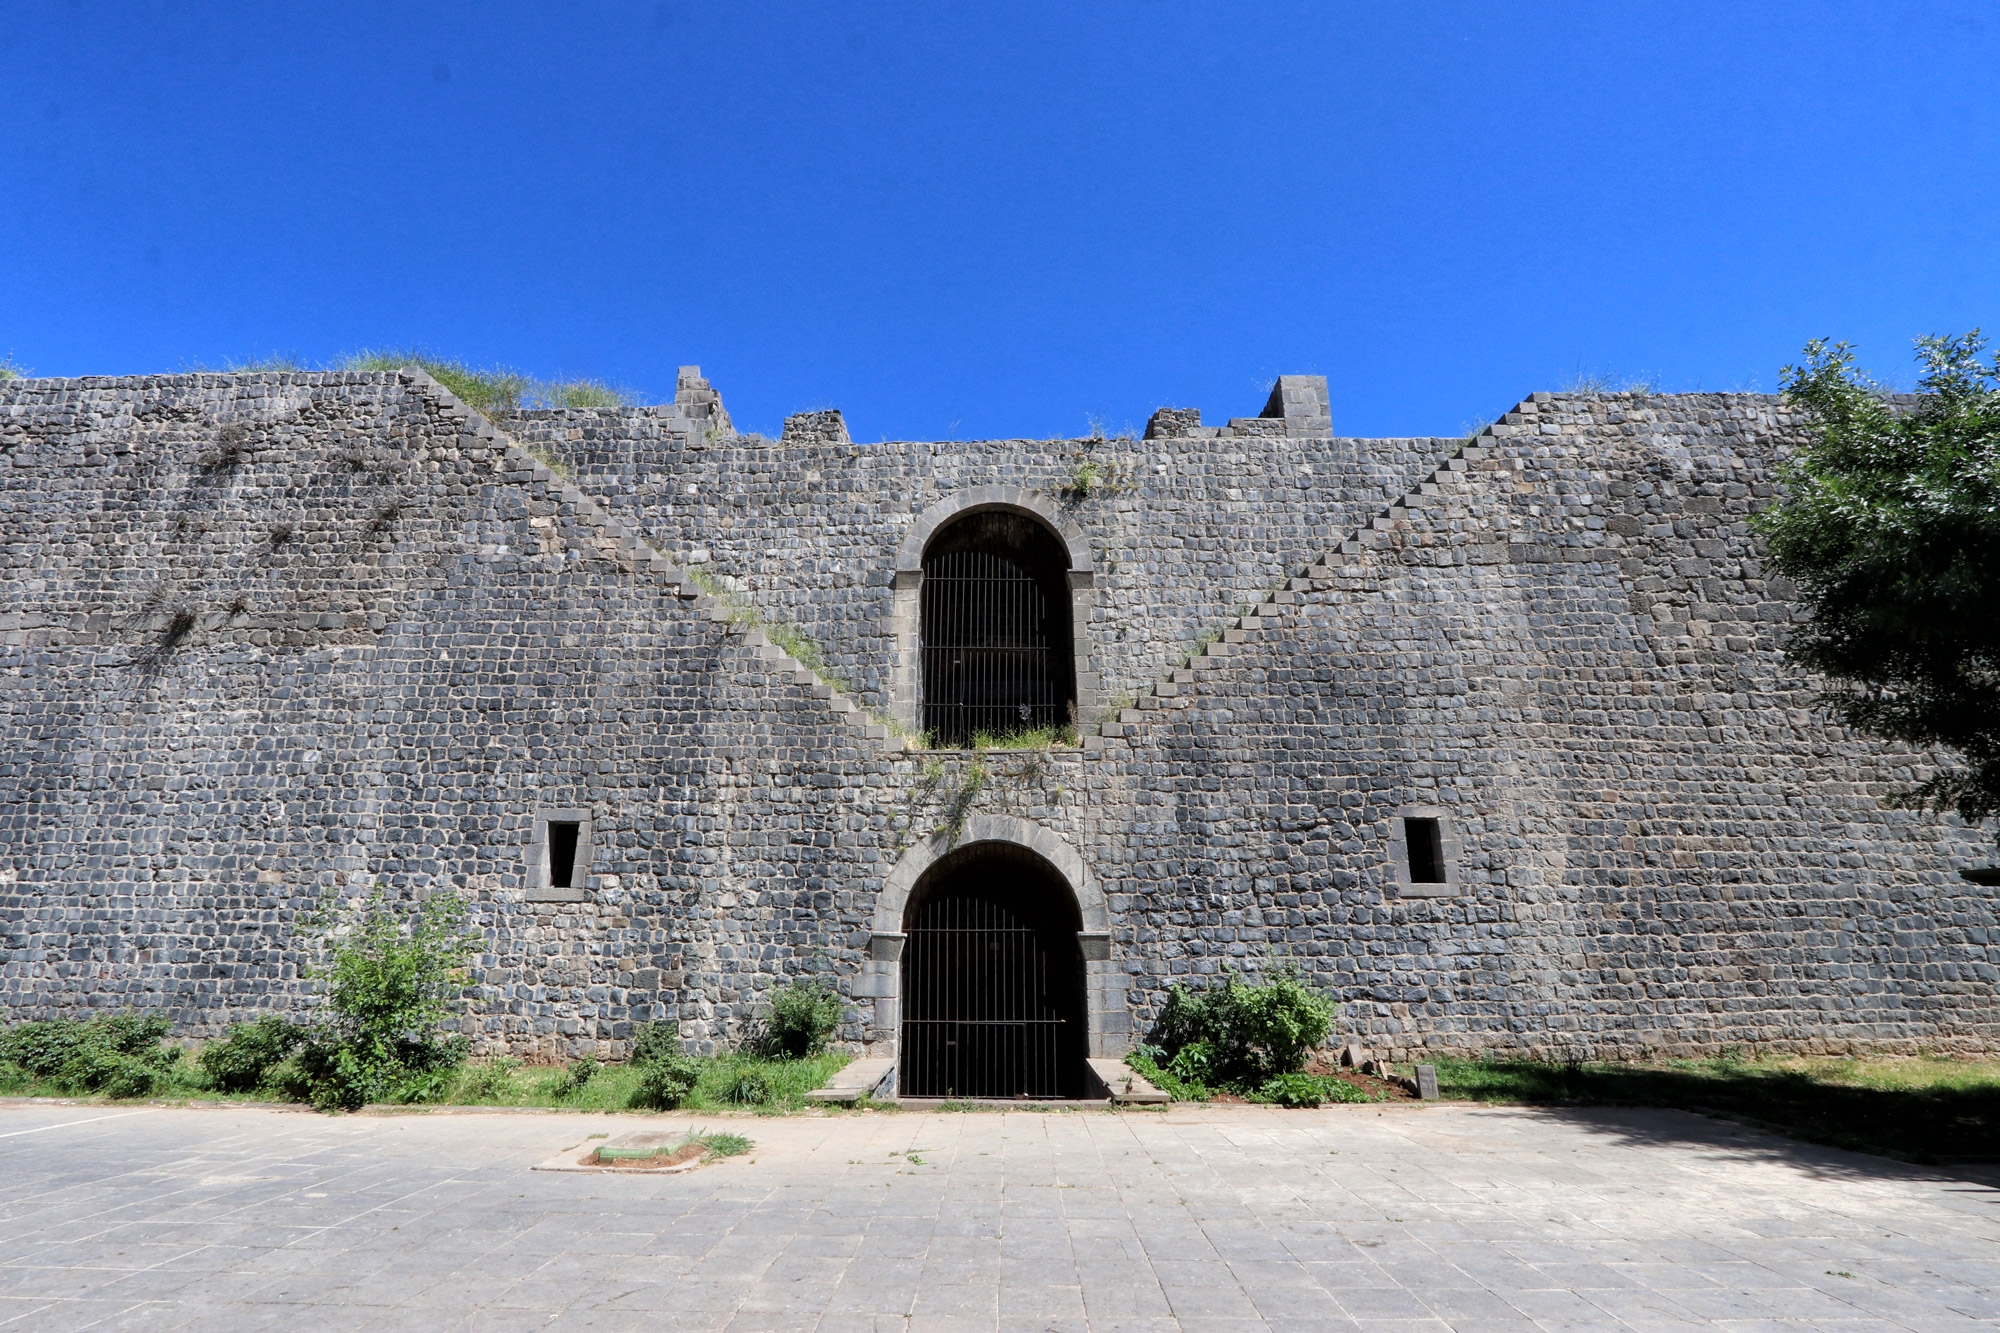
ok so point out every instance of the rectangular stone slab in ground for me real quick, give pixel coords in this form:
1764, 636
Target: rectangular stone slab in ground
627, 1154
645, 1143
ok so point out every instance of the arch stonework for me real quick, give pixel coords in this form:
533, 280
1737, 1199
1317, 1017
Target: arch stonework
905, 677
910, 555
1103, 988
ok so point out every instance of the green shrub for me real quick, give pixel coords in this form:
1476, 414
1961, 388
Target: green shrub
803, 1016
92, 1068
655, 1041
1239, 1035
330, 1075
394, 973
1145, 1062
665, 1081
40, 1046
1195, 1063
726, 1145
119, 1056
750, 1087
1278, 1024
241, 1061
1189, 1018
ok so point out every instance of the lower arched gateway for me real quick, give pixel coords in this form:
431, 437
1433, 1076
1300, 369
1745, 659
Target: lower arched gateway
992, 979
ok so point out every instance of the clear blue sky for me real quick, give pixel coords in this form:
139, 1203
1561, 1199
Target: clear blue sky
1005, 218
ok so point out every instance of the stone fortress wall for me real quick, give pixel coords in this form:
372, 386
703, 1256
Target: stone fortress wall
269, 636
1184, 525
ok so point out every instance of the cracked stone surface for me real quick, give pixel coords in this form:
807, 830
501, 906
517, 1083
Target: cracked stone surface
1407, 1218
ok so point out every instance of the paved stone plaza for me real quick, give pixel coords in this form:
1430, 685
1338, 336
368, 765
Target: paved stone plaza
1406, 1218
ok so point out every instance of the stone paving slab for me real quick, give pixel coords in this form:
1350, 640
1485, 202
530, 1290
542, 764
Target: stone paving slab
1419, 1219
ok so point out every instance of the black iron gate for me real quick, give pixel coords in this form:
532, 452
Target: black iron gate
988, 650
990, 1001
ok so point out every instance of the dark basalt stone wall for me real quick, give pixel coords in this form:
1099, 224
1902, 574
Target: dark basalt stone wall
265, 638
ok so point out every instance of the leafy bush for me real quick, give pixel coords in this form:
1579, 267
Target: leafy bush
1195, 1064
1277, 1025
40, 1046
803, 1016
726, 1145
1239, 1035
243, 1060
394, 973
655, 1041
119, 1056
1146, 1063
330, 1075
665, 1081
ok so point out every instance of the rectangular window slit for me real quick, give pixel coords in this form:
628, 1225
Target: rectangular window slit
562, 854
1426, 843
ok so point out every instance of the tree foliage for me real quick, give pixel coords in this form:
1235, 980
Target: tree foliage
394, 972
1890, 527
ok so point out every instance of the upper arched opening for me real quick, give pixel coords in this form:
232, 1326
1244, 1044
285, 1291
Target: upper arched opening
998, 653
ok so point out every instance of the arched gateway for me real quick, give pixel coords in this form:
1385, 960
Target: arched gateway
990, 966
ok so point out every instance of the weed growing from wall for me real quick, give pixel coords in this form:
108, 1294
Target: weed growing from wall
547, 459
1093, 475
958, 807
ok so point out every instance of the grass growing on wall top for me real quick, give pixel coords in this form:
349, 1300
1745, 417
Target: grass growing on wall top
487, 389
1028, 738
493, 388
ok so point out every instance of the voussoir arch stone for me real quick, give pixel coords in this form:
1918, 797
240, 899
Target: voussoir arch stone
910, 556
894, 900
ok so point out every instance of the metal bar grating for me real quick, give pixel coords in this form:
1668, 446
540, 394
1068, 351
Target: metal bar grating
986, 649
980, 1016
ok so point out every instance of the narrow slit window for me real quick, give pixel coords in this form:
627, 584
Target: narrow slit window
1426, 845
562, 854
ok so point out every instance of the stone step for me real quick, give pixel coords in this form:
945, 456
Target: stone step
1118, 1081
854, 1081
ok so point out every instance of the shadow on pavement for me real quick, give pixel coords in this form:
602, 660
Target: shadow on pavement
1957, 1127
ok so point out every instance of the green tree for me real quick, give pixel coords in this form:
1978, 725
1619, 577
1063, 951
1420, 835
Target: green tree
394, 972
1890, 527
